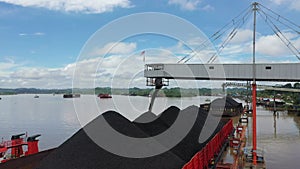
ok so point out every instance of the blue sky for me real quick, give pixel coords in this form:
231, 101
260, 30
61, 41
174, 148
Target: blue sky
41, 39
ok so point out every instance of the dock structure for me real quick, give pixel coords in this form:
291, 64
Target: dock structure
158, 75
281, 72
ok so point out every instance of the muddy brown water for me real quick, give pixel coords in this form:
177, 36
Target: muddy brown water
57, 120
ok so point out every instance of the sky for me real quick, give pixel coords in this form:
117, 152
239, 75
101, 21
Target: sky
63, 44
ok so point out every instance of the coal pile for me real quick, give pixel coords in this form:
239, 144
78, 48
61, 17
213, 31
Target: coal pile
146, 117
81, 152
226, 102
225, 106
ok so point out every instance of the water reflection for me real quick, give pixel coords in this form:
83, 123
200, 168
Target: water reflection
282, 147
278, 136
297, 122
275, 127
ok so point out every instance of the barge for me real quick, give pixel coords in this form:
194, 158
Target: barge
71, 95
104, 96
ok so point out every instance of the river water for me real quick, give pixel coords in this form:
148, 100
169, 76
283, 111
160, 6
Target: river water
57, 119
279, 138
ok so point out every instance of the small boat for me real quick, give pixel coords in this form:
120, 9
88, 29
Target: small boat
36, 96
20, 145
71, 95
104, 96
243, 118
248, 153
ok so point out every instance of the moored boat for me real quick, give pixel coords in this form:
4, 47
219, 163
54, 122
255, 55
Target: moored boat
71, 95
14, 148
104, 96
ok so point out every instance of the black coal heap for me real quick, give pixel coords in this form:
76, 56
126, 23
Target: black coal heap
80, 152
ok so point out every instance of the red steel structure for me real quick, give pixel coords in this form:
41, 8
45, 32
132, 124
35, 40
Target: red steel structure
15, 145
254, 121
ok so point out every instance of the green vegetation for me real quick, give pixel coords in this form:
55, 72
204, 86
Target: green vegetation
33, 91
172, 92
168, 92
288, 97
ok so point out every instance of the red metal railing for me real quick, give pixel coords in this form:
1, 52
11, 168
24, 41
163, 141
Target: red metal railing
13, 143
203, 158
16, 147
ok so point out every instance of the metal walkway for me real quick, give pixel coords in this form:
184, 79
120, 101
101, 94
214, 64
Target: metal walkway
284, 72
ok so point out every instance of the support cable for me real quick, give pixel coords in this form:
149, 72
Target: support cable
281, 36
279, 18
216, 35
238, 21
230, 36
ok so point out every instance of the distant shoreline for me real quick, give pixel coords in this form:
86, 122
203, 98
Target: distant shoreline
167, 92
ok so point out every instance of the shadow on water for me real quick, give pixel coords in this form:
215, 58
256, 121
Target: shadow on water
275, 126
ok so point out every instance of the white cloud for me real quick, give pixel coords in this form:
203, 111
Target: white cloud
196, 41
4, 67
7, 65
237, 49
268, 45
292, 4
243, 35
15, 75
114, 70
39, 34
84, 6
32, 34
269, 48
271, 45
189, 5
208, 8
278, 2
198, 49
179, 49
115, 48
295, 5
38, 77
35, 73
124, 65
